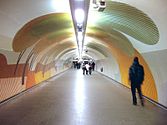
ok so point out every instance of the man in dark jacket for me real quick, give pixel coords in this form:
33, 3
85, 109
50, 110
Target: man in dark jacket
136, 77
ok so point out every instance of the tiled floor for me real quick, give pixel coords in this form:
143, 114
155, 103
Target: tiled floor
74, 99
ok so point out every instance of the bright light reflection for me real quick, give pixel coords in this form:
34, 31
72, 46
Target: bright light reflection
80, 36
79, 95
80, 39
60, 5
79, 15
93, 18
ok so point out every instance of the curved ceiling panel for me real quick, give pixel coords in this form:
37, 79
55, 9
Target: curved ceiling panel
96, 55
63, 49
52, 51
70, 53
60, 39
127, 19
43, 27
98, 47
116, 38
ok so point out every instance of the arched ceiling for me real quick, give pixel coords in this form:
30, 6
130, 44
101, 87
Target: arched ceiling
127, 19
115, 37
27, 23
51, 28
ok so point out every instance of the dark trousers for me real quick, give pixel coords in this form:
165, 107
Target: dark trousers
133, 89
84, 69
90, 71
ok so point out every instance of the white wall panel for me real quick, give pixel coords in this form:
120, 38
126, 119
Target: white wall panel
110, 68
157, 62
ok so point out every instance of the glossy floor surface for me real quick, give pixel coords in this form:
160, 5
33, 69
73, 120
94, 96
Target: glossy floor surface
73, 99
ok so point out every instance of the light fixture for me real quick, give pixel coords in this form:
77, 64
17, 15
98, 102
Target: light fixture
80, 36
79, 16
99, 5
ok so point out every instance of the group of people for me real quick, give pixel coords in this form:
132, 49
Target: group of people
88, 68
77, 65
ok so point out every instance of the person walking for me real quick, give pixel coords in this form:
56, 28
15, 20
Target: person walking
90, 69
87, 68
93, 66
136, 78
83, 68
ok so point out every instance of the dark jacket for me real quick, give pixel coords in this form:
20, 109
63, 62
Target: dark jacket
136, 73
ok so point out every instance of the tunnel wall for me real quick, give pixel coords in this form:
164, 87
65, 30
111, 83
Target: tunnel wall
109, 67
157, 61
154, 85
12, 84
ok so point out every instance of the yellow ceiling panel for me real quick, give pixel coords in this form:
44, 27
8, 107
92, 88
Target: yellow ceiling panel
44, 26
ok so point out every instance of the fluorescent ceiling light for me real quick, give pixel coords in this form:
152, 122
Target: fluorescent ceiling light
80, 36
79, 15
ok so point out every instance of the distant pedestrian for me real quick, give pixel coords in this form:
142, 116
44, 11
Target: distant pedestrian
87, 68
84, 68
90, 69
136, 77
93, 66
